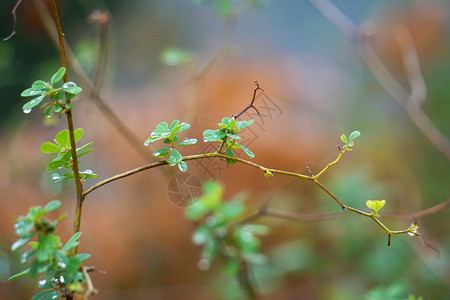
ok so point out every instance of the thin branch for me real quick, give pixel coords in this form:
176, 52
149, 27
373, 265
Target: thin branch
287, 215
127, 132
384, 77
412, 67
90, 285
103, 20
263, 210
74, 164
14, 15
192, 157
423, 213
251, 103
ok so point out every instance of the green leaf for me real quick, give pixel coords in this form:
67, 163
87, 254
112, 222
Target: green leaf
62, 138
71, 88
182, 166
48, 243
59, 161
229, 152
183, 127
30, 92
174, 157
162, 127
213, 135
30, 104
243, 124
48, 111
344, 138
26, 256
84, 146
57, 108
375, 205
233, 136
231, 210
48, 295
71, 243
197, 210
247, 151
354, 135
187, 142
52, 205
83, 256
175, 56
161, 132
78, 134
173, 125
39, 85
85, 152
23, 273
23, 240
48, 147
212, 195
162, 152
23, 226
58, 76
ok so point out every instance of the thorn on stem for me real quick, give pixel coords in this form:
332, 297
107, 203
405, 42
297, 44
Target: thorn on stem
339, 148
389, 239
309, 170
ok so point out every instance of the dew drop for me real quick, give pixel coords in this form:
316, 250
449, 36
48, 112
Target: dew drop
42, 282
27, 111
205, 140
55, 177
88, 172
156, 153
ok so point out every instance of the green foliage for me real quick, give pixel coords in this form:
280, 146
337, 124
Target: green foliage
227, 134
170, 137
64, 155
220, 234
350, 141
49, 258
375, 206
60, 98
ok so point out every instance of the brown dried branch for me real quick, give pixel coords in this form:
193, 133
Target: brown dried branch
385, 78
14, 15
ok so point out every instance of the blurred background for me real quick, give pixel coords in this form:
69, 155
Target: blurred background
197, 61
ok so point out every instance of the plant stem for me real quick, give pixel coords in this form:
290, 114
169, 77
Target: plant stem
79, 186
263, 211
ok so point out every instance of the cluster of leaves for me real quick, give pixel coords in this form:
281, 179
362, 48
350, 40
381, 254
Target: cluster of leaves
64, 155
227, 134
59, 271
349, 142
219, 232
170, 137
60, 98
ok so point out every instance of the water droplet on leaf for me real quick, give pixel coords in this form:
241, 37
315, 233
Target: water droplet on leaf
27, 111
